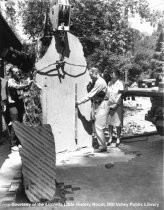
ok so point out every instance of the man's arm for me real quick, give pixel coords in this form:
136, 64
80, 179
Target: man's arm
13, 84
96, 89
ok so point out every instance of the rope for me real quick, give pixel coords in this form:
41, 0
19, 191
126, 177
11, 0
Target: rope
47, 66
71, 64
59, 63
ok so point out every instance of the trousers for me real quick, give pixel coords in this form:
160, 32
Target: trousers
99, 112
16, 114
14, 117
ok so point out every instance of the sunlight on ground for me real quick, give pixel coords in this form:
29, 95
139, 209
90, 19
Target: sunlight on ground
86, 157
10, 177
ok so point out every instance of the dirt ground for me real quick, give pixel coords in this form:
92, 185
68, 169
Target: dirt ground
134, 117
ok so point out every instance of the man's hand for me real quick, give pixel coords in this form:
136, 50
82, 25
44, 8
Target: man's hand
3, 105
114, 107
78, 103
30, 82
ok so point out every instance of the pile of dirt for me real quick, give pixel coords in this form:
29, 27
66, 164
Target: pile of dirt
134, 117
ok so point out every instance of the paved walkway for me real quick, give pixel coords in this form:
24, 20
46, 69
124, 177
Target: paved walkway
10, 173
128, 177
136, 178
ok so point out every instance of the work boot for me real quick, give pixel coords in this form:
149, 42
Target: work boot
117, 142
109, 142
101, 149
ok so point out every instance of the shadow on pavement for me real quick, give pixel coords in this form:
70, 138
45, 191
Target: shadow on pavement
4, 149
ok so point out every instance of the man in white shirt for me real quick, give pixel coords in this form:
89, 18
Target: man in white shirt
15, 104
99, 106
3, 102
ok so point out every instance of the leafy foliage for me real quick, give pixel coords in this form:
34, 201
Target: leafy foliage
8, 9
33, 108
158, 56
106, 36
143, 52
33, 14
100, 25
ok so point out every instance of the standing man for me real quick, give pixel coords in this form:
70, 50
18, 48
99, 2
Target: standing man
99, 106
15, 104
3, 101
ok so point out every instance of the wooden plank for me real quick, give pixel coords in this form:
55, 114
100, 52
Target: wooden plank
38, 163
76, 115
142, 92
